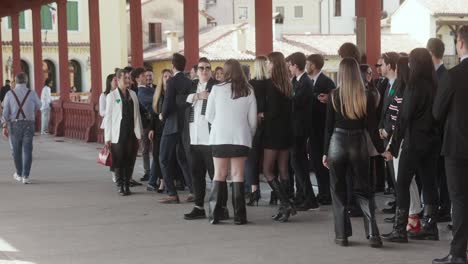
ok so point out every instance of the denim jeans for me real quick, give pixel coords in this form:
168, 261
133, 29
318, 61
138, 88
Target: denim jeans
21, 143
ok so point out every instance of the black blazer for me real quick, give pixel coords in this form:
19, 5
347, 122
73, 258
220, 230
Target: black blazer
441, 72
324, 85
387, 100
451, 108
415, 123
173, 109
301, 105
260, 87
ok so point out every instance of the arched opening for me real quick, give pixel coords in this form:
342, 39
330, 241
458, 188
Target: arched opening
75, 76
25, 69
48, 68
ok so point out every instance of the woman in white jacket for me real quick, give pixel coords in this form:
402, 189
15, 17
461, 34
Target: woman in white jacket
232, 112
122, 130
46, 100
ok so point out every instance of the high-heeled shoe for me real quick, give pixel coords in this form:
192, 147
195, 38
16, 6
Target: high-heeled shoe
254, 197
413, 228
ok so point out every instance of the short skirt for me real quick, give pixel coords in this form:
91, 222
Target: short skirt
229, 151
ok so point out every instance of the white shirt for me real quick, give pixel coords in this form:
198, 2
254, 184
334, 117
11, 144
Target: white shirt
46, 98
315, 77
464, 57
391, 82
233, 122
199, 130
300, 76
437, 66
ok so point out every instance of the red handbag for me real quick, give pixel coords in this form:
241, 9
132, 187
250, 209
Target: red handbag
105, 156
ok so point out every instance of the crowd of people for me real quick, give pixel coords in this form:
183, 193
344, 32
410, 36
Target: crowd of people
405, 127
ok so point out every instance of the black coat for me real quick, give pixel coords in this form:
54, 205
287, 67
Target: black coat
441, 71
385, 120
301, 105
323, 85
5, 89
451, 108
260, 87
174, 106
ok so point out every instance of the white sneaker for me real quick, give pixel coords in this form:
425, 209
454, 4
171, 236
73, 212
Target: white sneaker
26, 181
17, 177
114, 179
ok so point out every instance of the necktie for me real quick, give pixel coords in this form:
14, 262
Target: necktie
392, 90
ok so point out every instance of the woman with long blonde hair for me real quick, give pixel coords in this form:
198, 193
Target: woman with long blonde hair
155, 134
277, 136
351, 114
260, 79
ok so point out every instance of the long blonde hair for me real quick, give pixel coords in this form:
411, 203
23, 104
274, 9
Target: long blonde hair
159, 90
279, 73
260, 68
351, 92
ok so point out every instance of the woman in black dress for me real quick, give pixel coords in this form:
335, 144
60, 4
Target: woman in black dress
278, 133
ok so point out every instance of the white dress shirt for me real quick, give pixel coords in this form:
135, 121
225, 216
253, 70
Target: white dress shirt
315, 77
46, 98
199, 130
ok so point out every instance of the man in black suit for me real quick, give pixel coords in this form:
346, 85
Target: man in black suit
301, 118
436, 48
173, 113
388, 70
321, 90
450, 108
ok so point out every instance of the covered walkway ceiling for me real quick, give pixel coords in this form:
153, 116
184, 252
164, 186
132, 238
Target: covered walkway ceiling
7, 7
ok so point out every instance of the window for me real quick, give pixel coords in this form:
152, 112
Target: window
22, 23
243, 13
298, 12
155, 33
72, 15
46, 17
280, 9
337, 8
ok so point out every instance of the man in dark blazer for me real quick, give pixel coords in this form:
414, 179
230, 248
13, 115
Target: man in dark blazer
321, 90
450, 109
173, 113
301, 122
436, 48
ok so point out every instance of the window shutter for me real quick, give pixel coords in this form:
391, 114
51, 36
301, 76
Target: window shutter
72, 15
22, 22
46, 18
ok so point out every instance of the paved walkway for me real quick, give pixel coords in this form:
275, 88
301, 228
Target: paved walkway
71, 214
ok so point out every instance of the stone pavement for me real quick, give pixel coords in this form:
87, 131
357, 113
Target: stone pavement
72, 214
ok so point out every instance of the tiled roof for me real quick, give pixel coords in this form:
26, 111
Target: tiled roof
219, 44
446, 7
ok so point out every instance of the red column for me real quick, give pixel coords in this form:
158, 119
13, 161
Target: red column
64, 74
37, 46
15, 43
95, 50
191, 41
136, 34
2, 67
371, 11
263, 27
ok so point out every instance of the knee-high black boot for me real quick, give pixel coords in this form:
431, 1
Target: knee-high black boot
238, 203
119, 174
224, 198
429, 229
127, 178
398, 233
215, 203
286, 208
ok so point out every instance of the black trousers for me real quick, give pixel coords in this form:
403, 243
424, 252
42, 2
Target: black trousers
124, 152
157, 166
425, 164
457, 181
201, 163
348, 159
445, 203
172, 149
321, 173
300, 165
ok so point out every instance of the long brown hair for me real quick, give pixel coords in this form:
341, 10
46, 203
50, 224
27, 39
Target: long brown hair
159, 90
351, 92
233, 73
279, 73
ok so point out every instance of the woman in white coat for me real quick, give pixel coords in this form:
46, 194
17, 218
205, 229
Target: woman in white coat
232, 112
122, 130
46, 100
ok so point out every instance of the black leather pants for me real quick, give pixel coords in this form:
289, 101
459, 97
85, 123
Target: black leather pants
348, 150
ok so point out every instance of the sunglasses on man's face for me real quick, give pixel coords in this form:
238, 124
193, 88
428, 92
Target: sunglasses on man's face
202, 68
